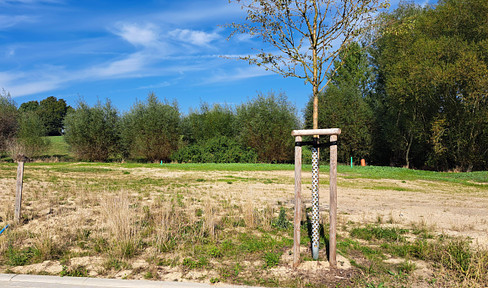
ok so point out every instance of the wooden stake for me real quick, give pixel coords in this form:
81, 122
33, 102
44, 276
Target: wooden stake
298, 203
18, 194
333, 202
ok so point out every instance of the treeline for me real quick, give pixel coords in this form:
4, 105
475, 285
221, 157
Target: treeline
432, 86
154, 130
418, 96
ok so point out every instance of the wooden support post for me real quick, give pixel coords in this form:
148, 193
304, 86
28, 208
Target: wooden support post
333, 133
298, 203
18, 194
333, 202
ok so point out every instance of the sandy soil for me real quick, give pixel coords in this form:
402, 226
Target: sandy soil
70, 201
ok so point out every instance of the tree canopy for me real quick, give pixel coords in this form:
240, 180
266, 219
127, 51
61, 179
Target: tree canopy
309, 35
432, 84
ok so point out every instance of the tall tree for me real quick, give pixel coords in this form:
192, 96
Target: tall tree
432, 76
343, 104
404, 81
52, 112
309, 35
31, 106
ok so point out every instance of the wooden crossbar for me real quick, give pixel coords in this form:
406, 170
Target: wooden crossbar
309, 132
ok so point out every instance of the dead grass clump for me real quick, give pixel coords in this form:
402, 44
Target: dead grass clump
120, 221
47, 248
171, 222
211, 218
249, 215
266, 218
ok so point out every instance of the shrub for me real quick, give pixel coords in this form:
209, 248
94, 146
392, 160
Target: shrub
29, 139
151, 130
220, 149
8, 119
209, 122
265, 126
92, 132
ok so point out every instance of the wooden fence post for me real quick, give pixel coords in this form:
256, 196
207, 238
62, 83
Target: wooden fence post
18, 194
298, 203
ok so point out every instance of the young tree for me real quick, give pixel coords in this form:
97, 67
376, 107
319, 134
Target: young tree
309, 35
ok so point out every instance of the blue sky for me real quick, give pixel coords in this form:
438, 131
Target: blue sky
123, 50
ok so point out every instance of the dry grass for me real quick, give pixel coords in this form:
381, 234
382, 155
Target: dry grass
120, 221
210, 218
192, 225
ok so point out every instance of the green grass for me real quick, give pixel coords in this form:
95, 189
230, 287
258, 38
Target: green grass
476, 179
371, 232
58, 147
379, 172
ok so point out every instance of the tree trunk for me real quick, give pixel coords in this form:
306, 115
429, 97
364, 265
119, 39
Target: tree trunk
407, 154
315, 74
315, 108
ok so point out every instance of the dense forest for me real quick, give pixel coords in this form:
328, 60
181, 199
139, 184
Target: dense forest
414, 93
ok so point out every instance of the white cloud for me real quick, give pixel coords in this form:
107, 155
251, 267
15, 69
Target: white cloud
133, 63
197, 38
146, 35
158, 85
46, 78
33, 87
6, 77
244, 37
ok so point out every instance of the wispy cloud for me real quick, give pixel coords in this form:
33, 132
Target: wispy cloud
201, 11
144, 35
34, 87
225, 76
198, 38
30, 1
7, 21
133, 63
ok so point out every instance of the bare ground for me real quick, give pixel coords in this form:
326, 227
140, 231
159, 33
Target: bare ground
58, 204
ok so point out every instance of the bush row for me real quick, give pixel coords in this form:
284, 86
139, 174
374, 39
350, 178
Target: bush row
154, 130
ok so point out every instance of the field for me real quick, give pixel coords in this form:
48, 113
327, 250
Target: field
232, 224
